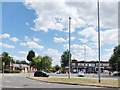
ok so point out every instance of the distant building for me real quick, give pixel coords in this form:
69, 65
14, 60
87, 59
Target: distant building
23, 67
88, 66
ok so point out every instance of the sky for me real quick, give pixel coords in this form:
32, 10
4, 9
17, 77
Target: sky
43, 28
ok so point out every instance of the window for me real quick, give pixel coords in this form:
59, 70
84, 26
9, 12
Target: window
92, 65
79, 64
73, 64
106, 65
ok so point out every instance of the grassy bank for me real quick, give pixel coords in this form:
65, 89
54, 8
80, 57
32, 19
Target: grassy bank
80, 81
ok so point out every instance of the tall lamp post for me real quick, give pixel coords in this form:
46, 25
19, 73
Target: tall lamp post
85, 58
98, 41
69, 45
3, 68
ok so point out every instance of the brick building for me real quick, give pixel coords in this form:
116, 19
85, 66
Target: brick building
88, 66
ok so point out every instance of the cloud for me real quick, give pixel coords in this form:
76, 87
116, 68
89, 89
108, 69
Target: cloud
26, 53
6, 45
59, 40
83, 40
71, 38
19, 58
54, 54
109, 50
88, 11
27, 23
82, 13
5, 35
27, 39
108, 37
36, 39
57, 19
32, 45
78, 52
23, 52
14, 39
106, 57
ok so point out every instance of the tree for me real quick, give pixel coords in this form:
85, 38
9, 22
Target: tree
57, 67
46, 63
17, 62
30, 55
37, 62
24, 62
115, 59
7, 59
65, 58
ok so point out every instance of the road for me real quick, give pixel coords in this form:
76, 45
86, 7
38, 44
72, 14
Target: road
20, 81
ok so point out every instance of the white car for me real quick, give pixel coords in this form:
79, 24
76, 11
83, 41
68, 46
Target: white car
81, 74
106, 71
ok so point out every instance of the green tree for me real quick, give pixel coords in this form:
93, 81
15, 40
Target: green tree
57, 67
46, 63
115, 59
17, 62
65, 58
7, 59
30, 55
37, 62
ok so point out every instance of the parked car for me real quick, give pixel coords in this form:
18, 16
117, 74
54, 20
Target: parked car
58, 72
116, 73
106, 71
81, 74
74, 70
41, 74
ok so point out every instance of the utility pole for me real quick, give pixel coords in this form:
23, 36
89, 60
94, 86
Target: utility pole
98, 41
85, 58
69, 45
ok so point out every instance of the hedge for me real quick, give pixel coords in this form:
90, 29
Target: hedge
11, 71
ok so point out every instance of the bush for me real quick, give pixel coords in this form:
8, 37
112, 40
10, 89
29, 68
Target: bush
11, 71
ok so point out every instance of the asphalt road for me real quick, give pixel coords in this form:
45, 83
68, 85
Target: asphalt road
20, 81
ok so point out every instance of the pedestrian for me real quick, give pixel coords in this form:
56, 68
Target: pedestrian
109, 73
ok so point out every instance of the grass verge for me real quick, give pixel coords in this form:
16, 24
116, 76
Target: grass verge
80, 81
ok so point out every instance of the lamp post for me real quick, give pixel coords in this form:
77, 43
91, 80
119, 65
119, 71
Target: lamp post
69, 45
3, 68
85, 58
98, 41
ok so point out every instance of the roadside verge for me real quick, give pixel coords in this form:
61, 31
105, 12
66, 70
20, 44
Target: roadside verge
79, 81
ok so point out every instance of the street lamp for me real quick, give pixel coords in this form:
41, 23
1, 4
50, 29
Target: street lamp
3, 68
69, 46
98, 40
84, 56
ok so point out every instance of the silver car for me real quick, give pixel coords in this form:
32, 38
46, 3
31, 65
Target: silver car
81, 74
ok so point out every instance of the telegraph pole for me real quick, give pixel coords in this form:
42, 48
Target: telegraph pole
69, 45
98, 41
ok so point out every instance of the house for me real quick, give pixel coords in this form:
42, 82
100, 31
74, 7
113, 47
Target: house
88, 66
23, 67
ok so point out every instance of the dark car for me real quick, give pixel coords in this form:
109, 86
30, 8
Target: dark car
116, 73
41, 74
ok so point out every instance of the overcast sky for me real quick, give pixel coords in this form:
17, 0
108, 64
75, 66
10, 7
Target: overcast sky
43, 27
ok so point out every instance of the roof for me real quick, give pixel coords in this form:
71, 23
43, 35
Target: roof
18, 65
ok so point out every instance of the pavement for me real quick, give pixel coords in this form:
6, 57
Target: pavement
20, 81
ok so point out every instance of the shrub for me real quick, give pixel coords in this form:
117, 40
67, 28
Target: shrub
11, 71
